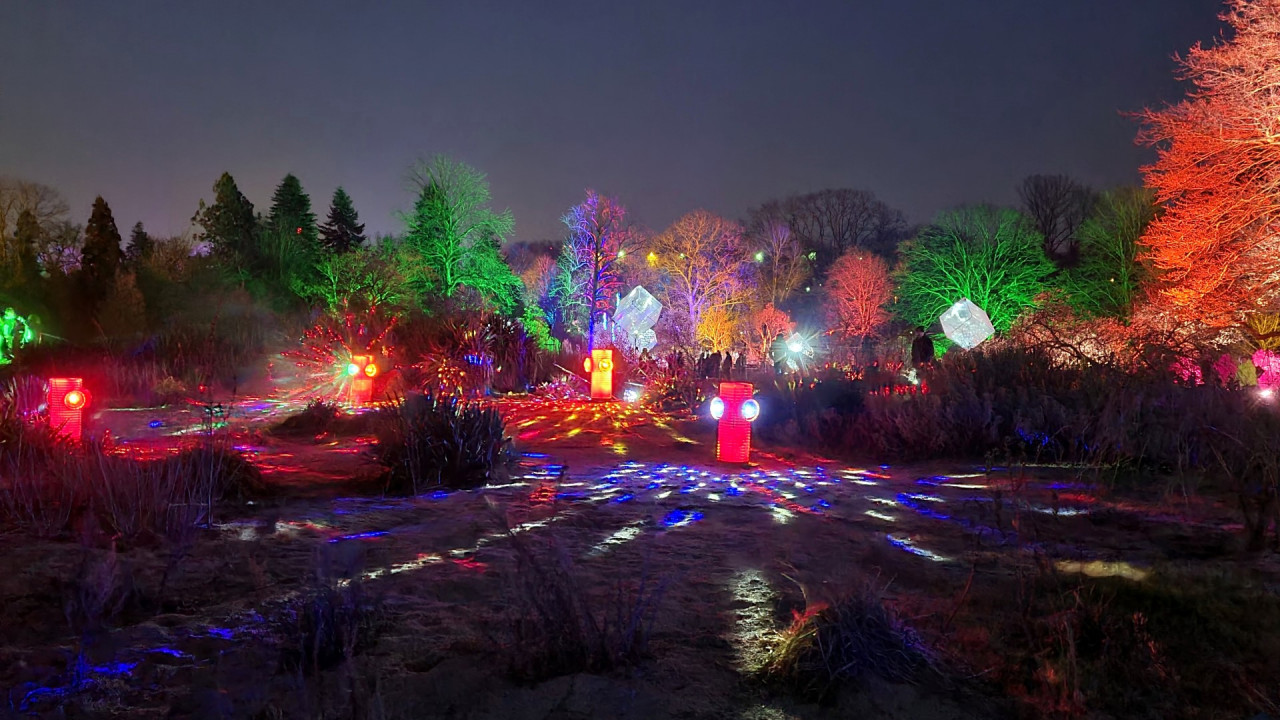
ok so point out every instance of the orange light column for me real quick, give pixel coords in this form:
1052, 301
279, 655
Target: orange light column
361, 371
600, 365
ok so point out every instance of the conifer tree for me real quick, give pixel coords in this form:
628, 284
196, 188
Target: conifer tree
343, 231
228, 224
101, 255
291, 210
140, 245
27, 237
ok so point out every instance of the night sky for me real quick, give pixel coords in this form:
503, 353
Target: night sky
671, 106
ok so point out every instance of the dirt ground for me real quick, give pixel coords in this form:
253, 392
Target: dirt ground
623, 497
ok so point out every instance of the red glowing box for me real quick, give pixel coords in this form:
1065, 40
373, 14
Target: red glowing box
66, 401
361, 371
735, 409
600, 365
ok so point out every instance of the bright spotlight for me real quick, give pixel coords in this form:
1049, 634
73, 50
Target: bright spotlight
717, 408
750, 410
795, 347
353, 369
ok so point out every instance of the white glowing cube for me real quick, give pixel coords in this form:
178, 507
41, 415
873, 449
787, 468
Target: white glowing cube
966, 324
637, 311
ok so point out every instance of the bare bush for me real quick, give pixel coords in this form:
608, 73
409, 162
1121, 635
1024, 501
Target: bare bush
559, 628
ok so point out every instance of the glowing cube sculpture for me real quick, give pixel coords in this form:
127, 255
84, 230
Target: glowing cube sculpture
966, 324
734, 409
66, 402
634, 319
600, 365
360, 372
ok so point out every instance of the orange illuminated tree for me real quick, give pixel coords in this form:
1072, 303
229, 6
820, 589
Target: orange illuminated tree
858, 290
1217, 246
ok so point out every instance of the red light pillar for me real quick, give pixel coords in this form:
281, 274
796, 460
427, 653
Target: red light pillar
66, 401
600, 365
361, 371
735, 409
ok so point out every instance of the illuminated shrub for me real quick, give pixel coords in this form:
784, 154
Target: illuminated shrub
428, 441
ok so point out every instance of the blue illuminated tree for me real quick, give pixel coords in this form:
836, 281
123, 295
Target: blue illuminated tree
598, 238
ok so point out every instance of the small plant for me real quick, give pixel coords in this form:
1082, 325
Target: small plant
850, 640
315, 419
428, 441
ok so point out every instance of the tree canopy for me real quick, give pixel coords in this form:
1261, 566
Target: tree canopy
1217, 245
994, 257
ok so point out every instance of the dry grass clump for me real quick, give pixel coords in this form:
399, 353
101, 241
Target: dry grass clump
50, 486
428, 441
849, 641
558, 627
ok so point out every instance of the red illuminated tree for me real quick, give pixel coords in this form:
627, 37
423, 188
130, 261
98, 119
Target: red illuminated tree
858, 289
1217, 246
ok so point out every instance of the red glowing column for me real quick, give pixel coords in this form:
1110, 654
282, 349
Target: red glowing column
734, 409
361, 371
600, 365
67, 400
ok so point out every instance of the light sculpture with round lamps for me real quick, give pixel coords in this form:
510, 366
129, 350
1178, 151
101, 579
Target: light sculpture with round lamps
734, 409
66, 401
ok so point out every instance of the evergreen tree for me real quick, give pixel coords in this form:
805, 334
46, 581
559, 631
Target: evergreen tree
343, 231
228, 224
291, 210
26, 237
140, 245
101, 255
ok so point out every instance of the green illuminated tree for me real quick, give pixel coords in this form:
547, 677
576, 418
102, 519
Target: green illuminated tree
228, 225
291, 210
365, 278
1110, 275
452, 236
101, 255
342, 231
992, 256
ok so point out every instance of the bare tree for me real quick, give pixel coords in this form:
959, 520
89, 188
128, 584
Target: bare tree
704, 268
782, 264
1058, 206
829, 223
42, 201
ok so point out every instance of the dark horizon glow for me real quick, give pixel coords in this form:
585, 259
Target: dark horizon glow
669, 106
